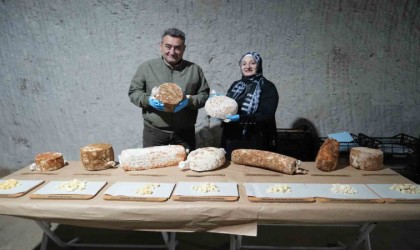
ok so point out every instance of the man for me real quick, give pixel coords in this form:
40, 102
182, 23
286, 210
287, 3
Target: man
160, 127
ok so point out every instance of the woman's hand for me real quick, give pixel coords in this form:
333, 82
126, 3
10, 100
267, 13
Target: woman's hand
213, 93
233, 118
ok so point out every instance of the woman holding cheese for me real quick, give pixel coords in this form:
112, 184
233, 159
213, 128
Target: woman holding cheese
254, 126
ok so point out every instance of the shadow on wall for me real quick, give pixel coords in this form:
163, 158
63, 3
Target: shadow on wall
306, 125
301, 141
312, 140
312, 137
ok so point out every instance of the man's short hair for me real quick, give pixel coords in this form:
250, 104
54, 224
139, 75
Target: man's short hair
174, 32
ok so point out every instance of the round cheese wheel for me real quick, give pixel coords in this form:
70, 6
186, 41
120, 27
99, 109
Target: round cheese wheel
97, 156
49, 161
366, 158
221, 106
170, 94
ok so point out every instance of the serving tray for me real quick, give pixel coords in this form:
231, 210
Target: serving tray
228, 191
392, 196
127, 191
257, 192
323, 193
50, 191
20, 190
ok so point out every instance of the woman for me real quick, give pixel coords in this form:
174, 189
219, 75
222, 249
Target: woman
254, 127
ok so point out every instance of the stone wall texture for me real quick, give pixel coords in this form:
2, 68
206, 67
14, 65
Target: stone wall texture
66, 66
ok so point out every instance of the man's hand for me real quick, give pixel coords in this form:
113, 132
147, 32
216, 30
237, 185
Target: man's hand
156, 104
182, 104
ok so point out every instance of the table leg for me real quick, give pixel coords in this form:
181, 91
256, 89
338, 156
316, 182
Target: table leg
44, 242
232, 242
166, 238
239, 242
367, 242
235, 242
46, 227
170, 242
364, 231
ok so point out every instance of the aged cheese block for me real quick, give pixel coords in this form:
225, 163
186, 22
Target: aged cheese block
221, 106
49, 161
327, 157
267, 160
170, 94
152, 157
204, 159
97, 156
366, 158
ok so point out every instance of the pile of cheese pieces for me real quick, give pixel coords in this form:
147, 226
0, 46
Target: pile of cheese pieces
73, 185
343, 189
9, 184
206, 188
148, 189
406, 188
279, 188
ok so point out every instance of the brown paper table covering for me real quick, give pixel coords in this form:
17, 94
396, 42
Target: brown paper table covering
240, 217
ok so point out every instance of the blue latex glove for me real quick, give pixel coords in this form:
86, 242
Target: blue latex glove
156, 104
213, 94
233, 118
182, 104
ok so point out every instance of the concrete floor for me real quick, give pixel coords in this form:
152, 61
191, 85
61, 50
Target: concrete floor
23, 234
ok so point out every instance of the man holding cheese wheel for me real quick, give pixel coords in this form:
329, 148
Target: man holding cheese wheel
163, 127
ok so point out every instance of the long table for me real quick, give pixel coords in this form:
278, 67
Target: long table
240, 217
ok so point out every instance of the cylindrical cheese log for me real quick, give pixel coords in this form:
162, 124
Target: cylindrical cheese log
265, 159
49, 161
97, 156
204, 159
152, 157
327, 157
366, 158
221, 106
170, 94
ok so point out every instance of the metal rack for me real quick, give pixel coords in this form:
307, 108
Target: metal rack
400, 144
401, 148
